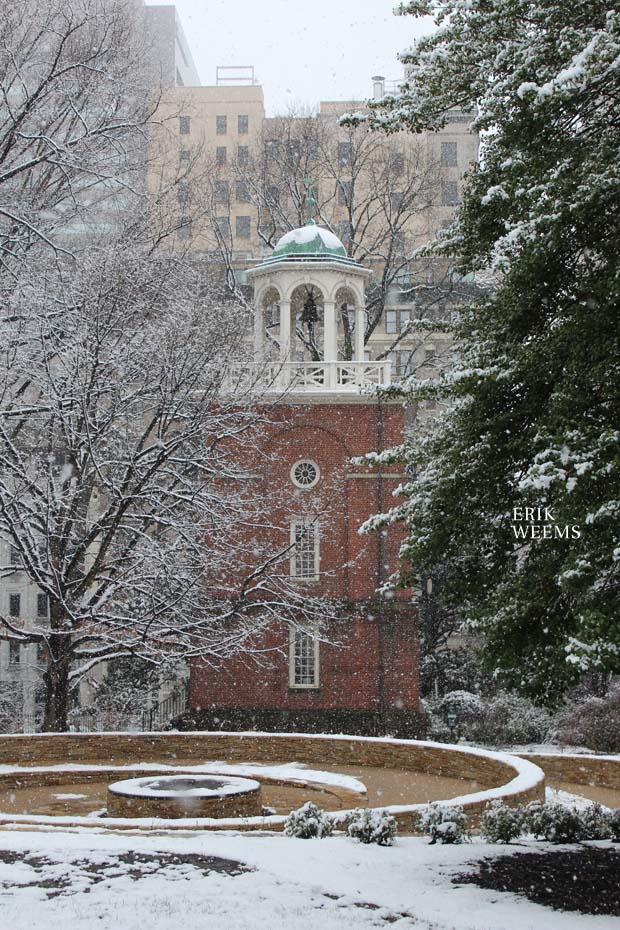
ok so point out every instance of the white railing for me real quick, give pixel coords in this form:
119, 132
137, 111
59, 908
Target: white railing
307, 377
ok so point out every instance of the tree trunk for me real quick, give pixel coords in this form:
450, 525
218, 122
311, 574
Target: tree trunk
57, 686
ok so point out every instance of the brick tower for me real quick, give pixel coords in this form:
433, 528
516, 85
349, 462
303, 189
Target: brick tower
360, 675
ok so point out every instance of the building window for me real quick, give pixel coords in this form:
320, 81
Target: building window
344, 232
401, 360
183, 192
312, 148
222, 224
305, 473
305, 550
184, 155
396, 320
15, 605
272, 148
448, 155
242, 193
242, 227
220, 155
272, 195
221, 191
449, 193
243, 155
303, 660
15, 556
243, 123
15, 653
184, 125
345, 152
399, 243
397, 200
345, 189
185, 230
397, 163
42, 605
221, 125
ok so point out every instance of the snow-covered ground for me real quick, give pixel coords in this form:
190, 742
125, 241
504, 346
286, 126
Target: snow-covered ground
76, 881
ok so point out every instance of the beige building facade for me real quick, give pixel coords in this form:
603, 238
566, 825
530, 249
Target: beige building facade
243, 179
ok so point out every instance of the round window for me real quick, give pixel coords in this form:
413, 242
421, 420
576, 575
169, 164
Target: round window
305, 473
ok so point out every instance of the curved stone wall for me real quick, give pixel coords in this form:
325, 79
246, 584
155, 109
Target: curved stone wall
602, 771
516, 781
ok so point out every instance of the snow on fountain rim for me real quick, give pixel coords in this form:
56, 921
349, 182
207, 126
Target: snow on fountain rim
294, 772
144, 787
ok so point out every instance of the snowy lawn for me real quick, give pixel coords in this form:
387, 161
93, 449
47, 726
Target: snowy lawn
79, 881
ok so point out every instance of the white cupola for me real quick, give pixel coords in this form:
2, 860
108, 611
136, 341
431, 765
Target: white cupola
309, 315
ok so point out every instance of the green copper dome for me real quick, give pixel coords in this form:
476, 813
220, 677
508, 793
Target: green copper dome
309, 243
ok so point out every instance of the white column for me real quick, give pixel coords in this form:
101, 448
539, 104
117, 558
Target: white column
259, 334
360, 323
330, 342
285, 341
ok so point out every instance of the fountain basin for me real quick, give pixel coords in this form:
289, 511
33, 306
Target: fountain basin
185, 796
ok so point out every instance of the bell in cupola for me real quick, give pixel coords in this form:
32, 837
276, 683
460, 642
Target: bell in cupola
309, 314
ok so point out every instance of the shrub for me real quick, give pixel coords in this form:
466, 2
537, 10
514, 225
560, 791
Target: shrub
594, 723
444, 824
508, 719
500, 823
436, 727
554, 822
307, 822
372, 826
614, 825
469, 707
596, 822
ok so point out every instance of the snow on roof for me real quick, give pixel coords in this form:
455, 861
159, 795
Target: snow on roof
307, 234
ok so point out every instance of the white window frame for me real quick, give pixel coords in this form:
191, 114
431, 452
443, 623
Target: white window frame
15, 653
294, 563
292, 668
305, 487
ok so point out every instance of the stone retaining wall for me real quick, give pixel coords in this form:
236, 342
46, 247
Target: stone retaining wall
490, 770
602, 771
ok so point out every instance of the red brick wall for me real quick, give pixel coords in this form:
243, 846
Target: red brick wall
375, 665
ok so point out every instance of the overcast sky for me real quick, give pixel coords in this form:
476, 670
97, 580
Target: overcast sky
303, 52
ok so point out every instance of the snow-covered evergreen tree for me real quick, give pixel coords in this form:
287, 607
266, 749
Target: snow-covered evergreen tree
534, 419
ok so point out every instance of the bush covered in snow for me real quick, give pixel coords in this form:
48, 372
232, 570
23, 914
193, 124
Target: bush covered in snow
509, 719
308, 822
444, 824
372, 826
500, 823
436, 727
614, 825
502, 720
596, 822
468, 706
594, 722
554, 822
